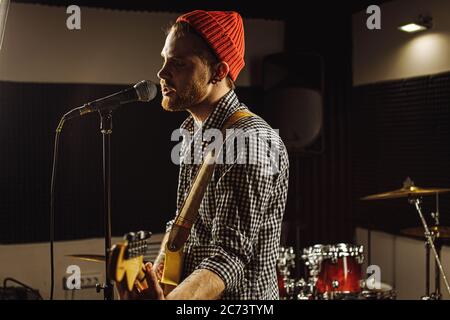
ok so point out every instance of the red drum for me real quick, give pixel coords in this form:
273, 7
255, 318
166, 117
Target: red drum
281, 286
336, 269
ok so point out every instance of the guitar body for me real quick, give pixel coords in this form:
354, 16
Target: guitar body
173, 267
126, 261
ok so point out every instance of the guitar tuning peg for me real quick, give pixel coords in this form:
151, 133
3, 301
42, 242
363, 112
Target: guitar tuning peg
140, 235
130, 236
143, 235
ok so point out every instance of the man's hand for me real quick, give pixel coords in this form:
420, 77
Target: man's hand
158, 265
154, 290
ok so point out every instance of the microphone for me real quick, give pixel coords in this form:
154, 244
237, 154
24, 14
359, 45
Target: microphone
144, 91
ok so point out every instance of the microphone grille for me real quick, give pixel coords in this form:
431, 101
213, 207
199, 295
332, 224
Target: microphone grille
146, 90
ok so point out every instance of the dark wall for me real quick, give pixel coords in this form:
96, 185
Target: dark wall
319, 206
143, 176
400, 129
264, 9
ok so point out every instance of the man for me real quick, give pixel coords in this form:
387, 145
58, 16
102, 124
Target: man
233, 245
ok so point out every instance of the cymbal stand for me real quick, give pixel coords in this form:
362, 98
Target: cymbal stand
437, 276
437, 279
427, 271
428, 235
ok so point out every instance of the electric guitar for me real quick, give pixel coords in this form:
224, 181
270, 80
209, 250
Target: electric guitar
126, 260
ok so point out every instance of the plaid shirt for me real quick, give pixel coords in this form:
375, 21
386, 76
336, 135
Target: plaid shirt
237, 231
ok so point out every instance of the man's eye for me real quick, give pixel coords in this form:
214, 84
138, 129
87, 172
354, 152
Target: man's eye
179, 63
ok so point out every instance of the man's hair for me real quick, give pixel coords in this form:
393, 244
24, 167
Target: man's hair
205, 53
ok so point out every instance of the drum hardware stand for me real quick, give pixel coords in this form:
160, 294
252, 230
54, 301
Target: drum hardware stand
435, 238
416, 201
437, 275
369, 247
427, 271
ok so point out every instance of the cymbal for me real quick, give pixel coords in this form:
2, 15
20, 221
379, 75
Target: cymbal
406, 192
441, 232
88, 257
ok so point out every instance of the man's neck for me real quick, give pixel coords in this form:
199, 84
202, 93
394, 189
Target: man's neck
202, 111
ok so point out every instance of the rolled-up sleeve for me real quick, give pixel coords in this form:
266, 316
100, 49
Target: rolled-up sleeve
241, 199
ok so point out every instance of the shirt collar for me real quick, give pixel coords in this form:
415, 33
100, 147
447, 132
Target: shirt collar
227, 105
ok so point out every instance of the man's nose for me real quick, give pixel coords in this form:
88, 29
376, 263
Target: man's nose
163, 73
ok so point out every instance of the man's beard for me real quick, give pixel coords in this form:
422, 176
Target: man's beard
186, 98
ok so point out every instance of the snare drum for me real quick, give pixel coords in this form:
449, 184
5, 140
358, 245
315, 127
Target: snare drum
385, 292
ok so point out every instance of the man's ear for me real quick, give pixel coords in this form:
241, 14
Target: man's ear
221, 71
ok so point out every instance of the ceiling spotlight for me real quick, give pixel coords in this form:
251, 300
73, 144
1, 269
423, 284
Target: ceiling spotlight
422, 23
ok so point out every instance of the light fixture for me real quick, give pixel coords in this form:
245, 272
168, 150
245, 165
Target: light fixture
422, 23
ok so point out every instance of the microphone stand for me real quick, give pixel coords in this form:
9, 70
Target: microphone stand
106, 130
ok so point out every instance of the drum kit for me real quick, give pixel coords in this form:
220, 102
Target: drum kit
334, 271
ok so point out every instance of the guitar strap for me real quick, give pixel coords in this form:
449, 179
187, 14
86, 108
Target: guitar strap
186, 217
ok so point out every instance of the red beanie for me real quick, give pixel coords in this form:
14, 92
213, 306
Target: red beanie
224, 32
